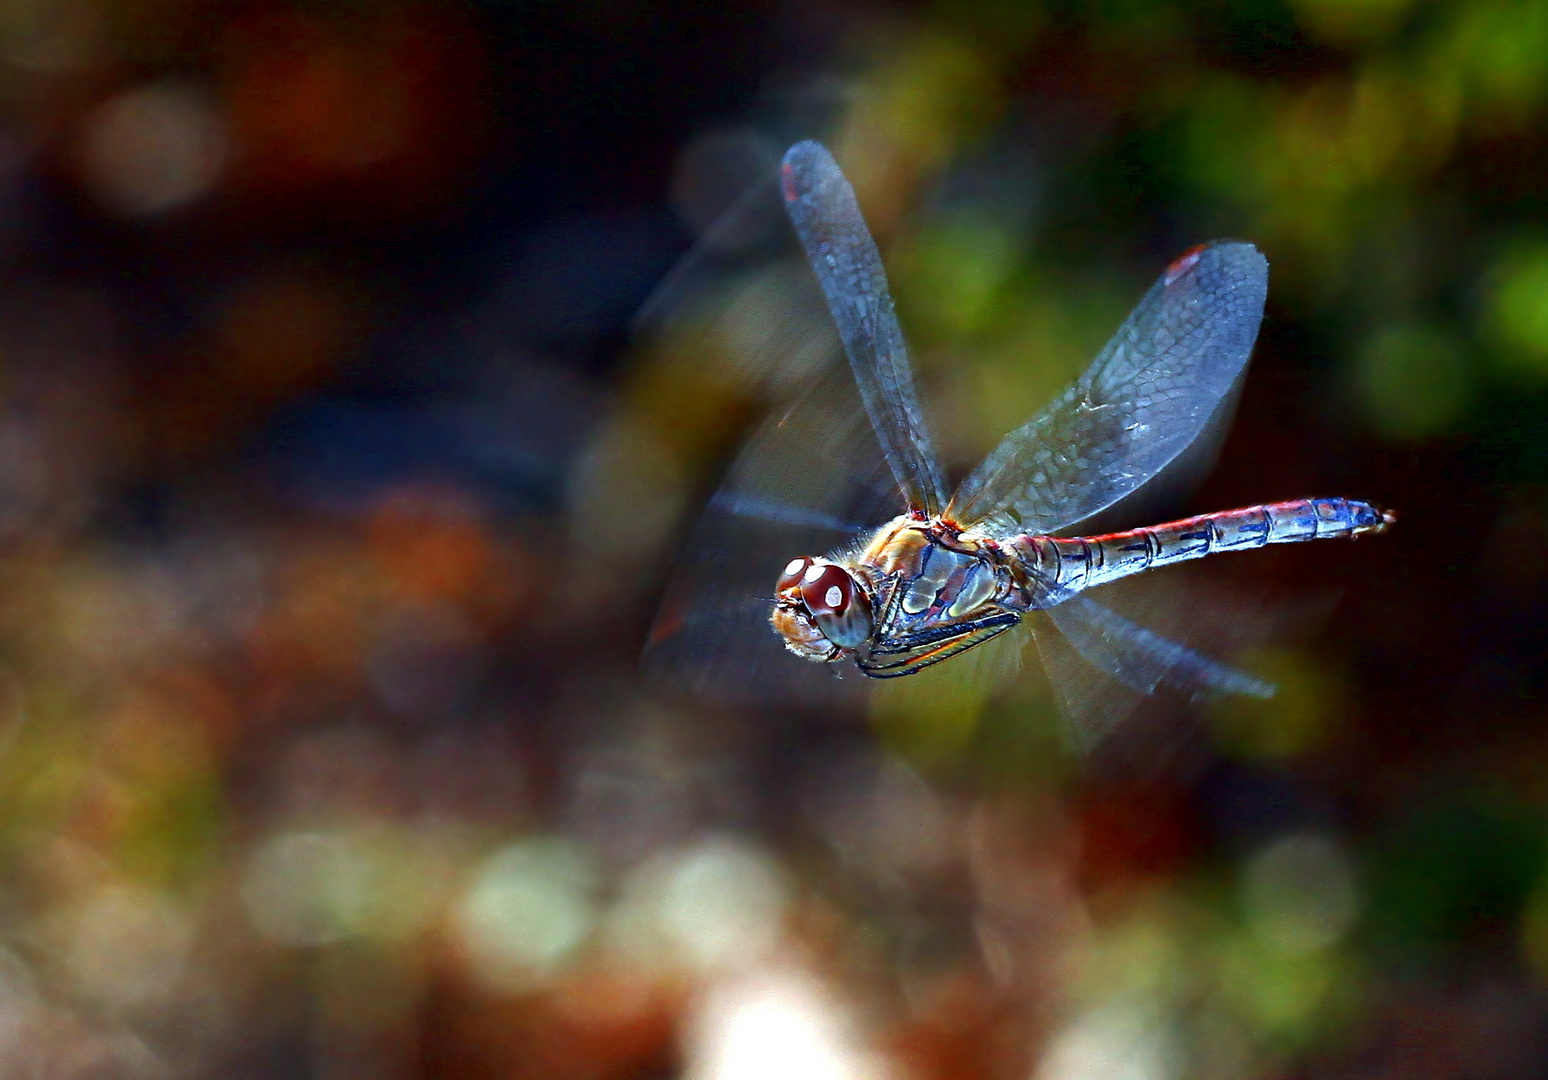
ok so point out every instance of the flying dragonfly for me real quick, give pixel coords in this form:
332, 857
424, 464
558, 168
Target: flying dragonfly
954, 570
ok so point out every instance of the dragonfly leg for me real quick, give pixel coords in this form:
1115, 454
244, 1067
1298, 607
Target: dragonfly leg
908, 653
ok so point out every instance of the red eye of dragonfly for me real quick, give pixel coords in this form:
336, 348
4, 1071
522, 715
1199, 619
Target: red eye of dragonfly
837, 604
827, 589
794, 571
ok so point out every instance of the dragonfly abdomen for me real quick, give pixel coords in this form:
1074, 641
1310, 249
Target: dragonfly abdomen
1082, 561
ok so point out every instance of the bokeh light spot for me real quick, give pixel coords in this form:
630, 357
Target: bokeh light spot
716, 905
1293, 995
127, 945
1414, 381
1517, 315
530, 906
1117, 1041
1497, 45
1299, 894
308, 888
111, 613
153, 148
773, 1025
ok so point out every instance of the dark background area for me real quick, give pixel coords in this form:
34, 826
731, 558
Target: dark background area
353, 417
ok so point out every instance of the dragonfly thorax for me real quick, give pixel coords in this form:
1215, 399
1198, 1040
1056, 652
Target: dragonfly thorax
917, 591
821, 609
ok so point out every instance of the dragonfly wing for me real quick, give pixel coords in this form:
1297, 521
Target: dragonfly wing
809, 481
711, 639
743, 504
848, 267
1153, 390
705, 264
1141, 660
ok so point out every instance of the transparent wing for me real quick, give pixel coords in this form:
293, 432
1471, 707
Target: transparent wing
1152, 391
827, 218
1105, 665
810, 481
1142, 659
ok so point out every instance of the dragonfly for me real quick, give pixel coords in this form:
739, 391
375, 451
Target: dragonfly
956, 569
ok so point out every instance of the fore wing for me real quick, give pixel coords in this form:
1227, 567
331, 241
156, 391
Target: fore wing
809, 481
1150, 393
827, 218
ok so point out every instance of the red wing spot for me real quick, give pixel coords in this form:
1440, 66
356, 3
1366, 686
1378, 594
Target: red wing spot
1183, 263
787, 182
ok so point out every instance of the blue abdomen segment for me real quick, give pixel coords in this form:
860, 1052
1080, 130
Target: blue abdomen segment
1082, 561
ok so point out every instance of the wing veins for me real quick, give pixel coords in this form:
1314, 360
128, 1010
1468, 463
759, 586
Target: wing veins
843, 255
1152, 391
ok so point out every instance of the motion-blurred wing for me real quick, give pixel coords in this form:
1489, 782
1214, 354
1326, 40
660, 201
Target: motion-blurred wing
810, 481
827, 218
1114, 649
1142, 659
1151, 392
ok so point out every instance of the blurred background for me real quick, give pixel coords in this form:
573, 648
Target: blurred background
352, 417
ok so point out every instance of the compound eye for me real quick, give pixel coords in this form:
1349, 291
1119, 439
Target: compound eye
839, 606
794, 571
827, 589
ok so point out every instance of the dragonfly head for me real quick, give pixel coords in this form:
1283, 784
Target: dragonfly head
820, 609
